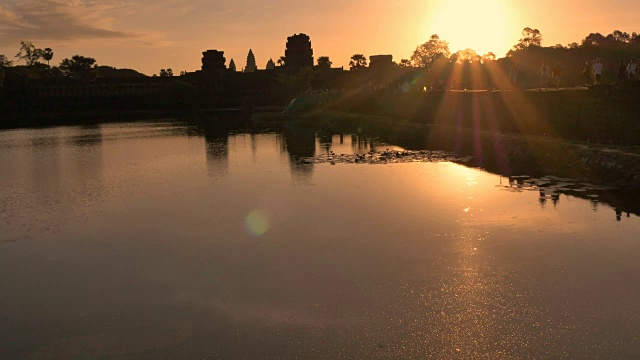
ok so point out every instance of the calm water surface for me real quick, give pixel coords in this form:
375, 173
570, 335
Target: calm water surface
162, 240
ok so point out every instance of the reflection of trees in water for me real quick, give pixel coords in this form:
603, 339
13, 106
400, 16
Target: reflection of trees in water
87, 136
216, 137
627, 201
86, 145
45, 160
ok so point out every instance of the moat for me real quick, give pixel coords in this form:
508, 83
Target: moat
179, 240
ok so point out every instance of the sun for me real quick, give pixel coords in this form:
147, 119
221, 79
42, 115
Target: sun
482, 25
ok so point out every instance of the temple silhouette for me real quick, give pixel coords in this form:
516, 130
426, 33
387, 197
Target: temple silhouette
215, 84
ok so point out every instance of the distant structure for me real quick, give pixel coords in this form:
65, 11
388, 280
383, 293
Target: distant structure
251, 63
299, 53
270, 65
213, 60
382, 70
232, 66
380, 62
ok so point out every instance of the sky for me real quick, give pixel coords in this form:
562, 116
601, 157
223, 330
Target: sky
149, 35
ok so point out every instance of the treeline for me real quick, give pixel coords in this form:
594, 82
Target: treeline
30, 62
467, 69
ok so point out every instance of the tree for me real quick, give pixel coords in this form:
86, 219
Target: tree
620, 36
404, 63
324, 62
530, 37
282, 61
232, 66
573, 45
427, 53
166, 73
270, 65
251, 62
466, 56
79, 67
47, 54
29, 53
594, 39
490, 56
4, 62
358, 61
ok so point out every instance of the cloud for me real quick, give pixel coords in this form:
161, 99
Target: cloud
59, 20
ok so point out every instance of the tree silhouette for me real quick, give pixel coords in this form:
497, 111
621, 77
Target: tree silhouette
466, 56
404, 63
29, 53
324, 62
232, 65
79, 67
358, 61
251, 62
427, 53
620, 36
47, 54
4, 62
594, 39
282, 61
270, 65
530, 37
490, 56
165, 73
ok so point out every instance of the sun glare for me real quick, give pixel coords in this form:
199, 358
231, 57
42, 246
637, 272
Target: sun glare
482, 25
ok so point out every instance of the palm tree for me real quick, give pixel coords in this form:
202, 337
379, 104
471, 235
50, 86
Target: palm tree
47, 54
358, 61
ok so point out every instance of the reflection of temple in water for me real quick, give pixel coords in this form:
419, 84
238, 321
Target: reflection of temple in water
306, 143
300, 143
216, 138
328, 143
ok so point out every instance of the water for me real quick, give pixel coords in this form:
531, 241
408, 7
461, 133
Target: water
167, 240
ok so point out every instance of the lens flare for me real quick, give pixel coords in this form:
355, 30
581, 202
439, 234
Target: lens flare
257, 222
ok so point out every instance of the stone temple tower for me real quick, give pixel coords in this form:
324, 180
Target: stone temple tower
213, 61
299, 53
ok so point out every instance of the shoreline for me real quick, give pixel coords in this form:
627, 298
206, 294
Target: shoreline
502, 153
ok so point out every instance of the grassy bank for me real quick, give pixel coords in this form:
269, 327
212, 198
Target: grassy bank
578, 115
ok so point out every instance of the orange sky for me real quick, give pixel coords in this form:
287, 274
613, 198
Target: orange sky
148, 35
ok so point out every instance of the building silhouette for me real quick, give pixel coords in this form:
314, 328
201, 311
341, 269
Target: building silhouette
380, 62
270, 65
299, 53
213, 61
251, 63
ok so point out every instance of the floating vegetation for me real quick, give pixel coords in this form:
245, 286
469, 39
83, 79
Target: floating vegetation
386, 157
